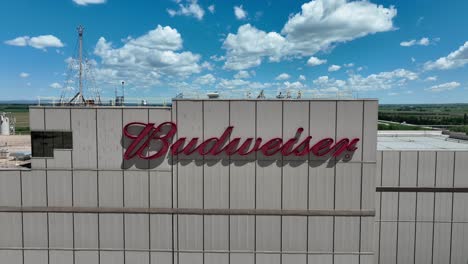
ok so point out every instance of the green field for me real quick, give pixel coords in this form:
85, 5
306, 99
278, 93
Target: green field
453, 117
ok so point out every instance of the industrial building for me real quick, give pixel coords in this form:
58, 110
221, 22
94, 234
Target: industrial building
233, 181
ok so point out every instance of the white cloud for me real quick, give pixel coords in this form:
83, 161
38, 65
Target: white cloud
192, 8
217, 58
348, 65
302, 77
373, 82
242, 75
382, 80
443, 87
294, 86
55, 85
421, 42
314, 61
39, 42
456, 59
319, 26
431, 79
144, 60
333, 68
322, 23
88, 2
24, 75
282, 76
239, 12
207, 79
211, 8
246, 48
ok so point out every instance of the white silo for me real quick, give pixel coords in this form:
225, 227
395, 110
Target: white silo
4, 125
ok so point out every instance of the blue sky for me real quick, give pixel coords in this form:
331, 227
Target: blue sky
397, 51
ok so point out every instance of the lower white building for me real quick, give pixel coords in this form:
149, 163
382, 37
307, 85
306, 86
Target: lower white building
233, 181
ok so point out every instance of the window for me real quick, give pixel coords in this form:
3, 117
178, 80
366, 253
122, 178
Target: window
43, 143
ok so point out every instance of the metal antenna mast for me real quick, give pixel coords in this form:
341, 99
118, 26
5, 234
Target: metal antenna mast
80, 58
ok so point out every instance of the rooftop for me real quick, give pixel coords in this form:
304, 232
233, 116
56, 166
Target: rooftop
418, 140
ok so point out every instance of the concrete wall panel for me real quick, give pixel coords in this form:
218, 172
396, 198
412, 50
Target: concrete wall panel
35, 230
293, 237
59, 188
136, 231
86, 231
111, 257
268, 185
190, 232
268, 232
321, 186
57, 119
10, 188
85, 189
242, 232
36, 257
111, 234
86, 257
216, 236
349, 124
295, 181
61, 230
161, 232
161, 189
109, 138
111, 188
11, 230
348, 186
84, 138
136, 189
34, 188
60, 257
242, 185
36, 119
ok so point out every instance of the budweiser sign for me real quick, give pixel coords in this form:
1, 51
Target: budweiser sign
142, 135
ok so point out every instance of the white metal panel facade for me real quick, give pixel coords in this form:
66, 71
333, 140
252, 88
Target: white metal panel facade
102, 209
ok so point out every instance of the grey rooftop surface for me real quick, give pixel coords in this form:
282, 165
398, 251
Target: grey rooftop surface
418, 140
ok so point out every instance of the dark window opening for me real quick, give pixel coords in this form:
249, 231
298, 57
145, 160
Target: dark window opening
44, 143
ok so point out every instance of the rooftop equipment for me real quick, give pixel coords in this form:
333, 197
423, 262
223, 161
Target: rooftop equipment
213, 95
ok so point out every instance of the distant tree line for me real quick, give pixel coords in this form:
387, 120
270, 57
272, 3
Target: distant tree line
417, 119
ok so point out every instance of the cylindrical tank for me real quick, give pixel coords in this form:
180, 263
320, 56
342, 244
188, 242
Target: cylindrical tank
5, 125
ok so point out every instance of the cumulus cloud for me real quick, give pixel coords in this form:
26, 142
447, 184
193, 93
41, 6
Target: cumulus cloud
192, 8
314, 61
302, 77
240, 13
456, 59
24, 75
89, 2
246, 48
320, 25
144, 60
373, 82
443, 87
282, 76
421, 42
333, 68
207, 79
39, 42
242, 75
431, 79
55, 85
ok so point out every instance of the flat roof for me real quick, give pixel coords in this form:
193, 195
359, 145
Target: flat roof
419, 140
